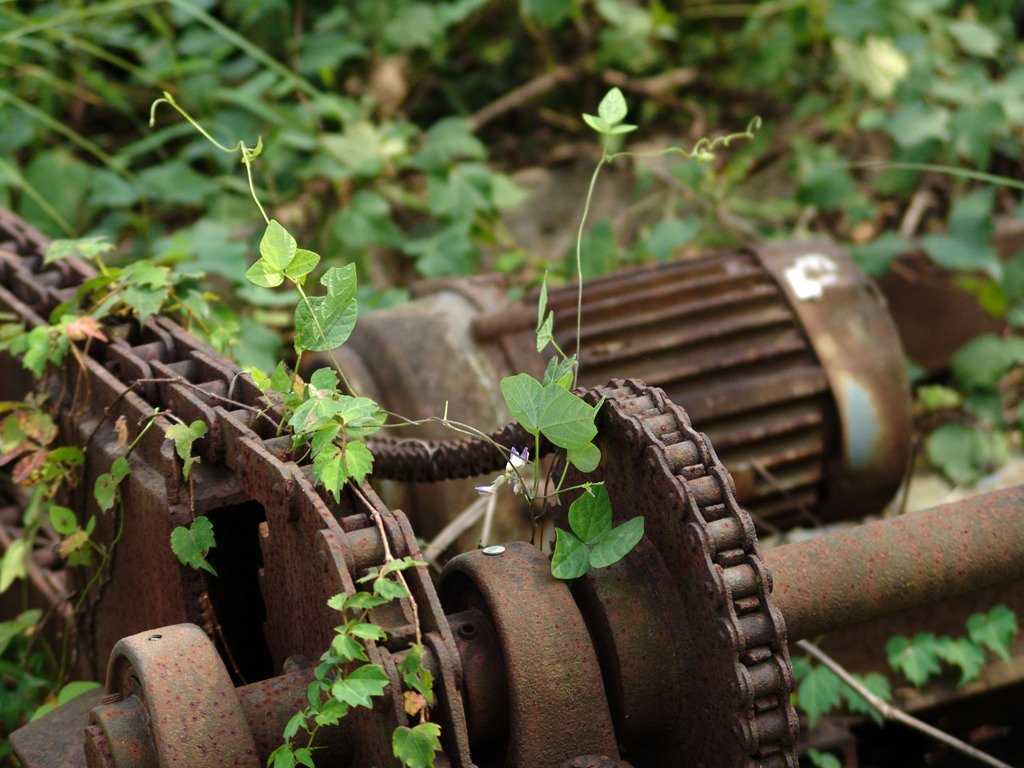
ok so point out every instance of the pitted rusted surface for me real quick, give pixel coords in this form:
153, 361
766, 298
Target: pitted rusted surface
890, 566
185, 694
551, 670
735, 675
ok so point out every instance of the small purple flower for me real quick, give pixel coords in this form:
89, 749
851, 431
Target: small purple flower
517, 460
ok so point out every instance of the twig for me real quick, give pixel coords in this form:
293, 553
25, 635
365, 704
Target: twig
518, 96
657, 86
889, 712
786, 494
492, 503
389, 557
919, 204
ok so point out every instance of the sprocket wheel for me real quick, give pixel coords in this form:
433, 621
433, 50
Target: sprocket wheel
731, 675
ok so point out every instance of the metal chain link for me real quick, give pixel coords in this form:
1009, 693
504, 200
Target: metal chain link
740, 672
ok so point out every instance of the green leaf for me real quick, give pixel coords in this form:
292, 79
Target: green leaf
105, 490
63, 520
413, 674
446, 251
916, 657
565, 419
876, 256
671, 234
916, 123
277, 249
586, 458
617, 543
415, 747
975, 39
366, 631
522, 395
295, 722
325, 322
819, 691
13, 564
414, 25
277, 246
571, 558
994, 630
329, 469
347, 648
23, 624
90, 248
875, 682
282, 757
966, 246
331, 711
612, 108
559, 415
366, 221
460, 192
823, 759
358, 461
962, 255
389, 589
74, 689
598, 124
300, 266
357, 688
963, 653
446, 140
183, 437
360, 415
147, 286
548, 13
936, 397
962, 452
193, 543
280, 379
560, 372
360, 601
590, 516
983, 361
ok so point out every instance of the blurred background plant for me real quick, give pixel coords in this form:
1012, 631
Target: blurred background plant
421, 140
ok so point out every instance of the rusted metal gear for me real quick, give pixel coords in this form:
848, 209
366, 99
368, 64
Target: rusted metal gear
174, 680
552, 675
731, 677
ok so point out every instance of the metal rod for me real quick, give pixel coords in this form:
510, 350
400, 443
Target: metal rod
846, 578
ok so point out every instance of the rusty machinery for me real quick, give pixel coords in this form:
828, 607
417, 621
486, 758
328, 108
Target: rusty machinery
678, 655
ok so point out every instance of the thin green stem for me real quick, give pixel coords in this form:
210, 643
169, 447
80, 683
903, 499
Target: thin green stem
37, 198
299, 83
579, 264
989, 178
66, 18
169, 100
247, 160
73, 136
190, 312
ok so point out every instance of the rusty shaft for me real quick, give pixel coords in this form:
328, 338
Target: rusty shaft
846, 578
